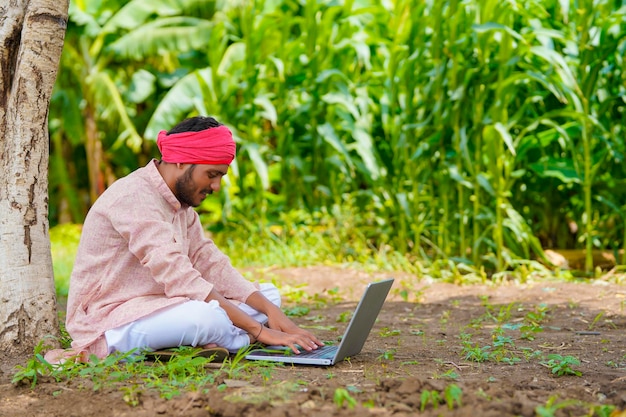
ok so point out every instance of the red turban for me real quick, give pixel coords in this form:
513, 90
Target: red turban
213, 146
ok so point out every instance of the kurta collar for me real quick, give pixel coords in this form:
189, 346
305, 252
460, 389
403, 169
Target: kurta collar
157, 180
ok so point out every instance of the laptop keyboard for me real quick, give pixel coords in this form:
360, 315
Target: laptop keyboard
323, 352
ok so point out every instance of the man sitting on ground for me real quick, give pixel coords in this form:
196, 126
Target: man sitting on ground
145, 275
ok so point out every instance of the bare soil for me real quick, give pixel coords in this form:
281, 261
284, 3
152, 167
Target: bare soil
414, 357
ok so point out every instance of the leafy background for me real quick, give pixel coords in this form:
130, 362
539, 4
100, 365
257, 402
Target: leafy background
464, 135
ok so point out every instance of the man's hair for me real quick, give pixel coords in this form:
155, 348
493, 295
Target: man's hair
194, 124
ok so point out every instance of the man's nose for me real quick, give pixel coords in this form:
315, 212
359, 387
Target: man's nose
216, 185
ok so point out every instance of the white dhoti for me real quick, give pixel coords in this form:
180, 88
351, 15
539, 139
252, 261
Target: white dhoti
193, 323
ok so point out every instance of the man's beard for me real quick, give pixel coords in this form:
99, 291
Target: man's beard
185, 190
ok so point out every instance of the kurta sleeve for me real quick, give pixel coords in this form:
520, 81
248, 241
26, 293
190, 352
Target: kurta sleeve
214, 265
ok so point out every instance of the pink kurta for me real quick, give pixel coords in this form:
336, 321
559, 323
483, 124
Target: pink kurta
141, 251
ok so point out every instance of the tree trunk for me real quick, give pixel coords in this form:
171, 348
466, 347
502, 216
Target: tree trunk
31, 41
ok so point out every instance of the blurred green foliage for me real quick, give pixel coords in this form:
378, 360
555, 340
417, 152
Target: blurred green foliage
64, 240
449, 132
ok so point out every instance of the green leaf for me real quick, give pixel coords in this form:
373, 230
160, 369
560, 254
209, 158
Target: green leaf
344, 100
506, 136
253, 151
558, 62
485, 184
456, 176
105, 91
269, 111
561, 169
177, 103
233, 55
493, 26
143, 85
176, 34
136, 12
327, 132
364, 147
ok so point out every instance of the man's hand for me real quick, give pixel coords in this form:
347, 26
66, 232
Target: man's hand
282, 331
293, 341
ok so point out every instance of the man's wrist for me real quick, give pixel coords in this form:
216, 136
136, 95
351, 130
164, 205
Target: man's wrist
255, 338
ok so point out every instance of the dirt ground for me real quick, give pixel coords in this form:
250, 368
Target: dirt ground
422, 357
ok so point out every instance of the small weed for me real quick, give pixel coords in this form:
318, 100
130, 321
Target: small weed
344, 317
502, 341
387, 355
369, 403
234, 365
35, 367
538, 315
445, 316
533, 322
595, 320
504, 314
293, 295
449, 374
297, 295
432, 397
405, 293
510, 360
342, 396
551, 407
334, 294
451, 395
131, 394
604, 411
321, 327
476, 353
562, 365
465, 337
297, 311
529, 331
316, 319
476, 323
503, 349
529, 353
387, 332
481, 393
484, 301
183, 372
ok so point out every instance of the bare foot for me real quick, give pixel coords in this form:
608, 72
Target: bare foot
59, 356
209, 346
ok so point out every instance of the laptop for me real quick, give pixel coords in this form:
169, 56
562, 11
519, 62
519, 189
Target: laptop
353, 339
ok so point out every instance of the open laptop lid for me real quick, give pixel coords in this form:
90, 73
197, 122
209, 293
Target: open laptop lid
353, 338
363, 319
